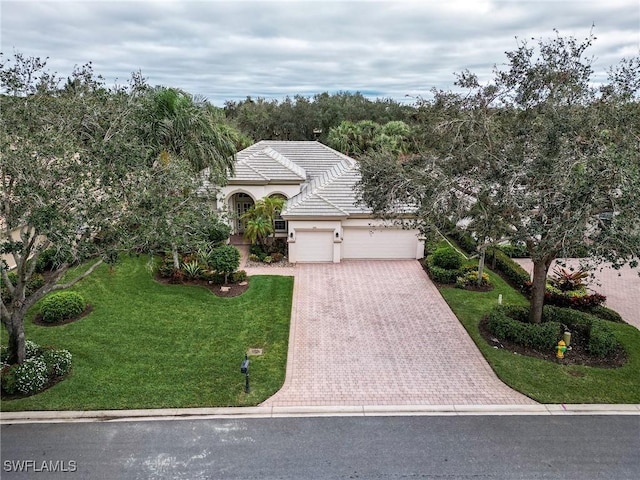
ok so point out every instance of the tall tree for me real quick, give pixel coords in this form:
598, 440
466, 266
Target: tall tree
552, 158
187, 136
68, 157
176, 124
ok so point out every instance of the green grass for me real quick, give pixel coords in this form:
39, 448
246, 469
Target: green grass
147, 345
543, 381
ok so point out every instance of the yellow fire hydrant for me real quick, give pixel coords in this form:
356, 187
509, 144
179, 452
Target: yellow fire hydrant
560, 349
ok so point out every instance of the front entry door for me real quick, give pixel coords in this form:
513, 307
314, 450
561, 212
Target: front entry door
241, 208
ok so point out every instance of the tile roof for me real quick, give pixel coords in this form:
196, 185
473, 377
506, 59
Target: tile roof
327, 177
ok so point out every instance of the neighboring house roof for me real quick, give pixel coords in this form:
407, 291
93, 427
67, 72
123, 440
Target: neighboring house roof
327, 177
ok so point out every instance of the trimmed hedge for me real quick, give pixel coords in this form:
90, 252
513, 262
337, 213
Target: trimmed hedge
514, 251
586, 301
439, 274
606, 314
447, 258
602, 341
62, 306
517, 276
543, 336
511, 323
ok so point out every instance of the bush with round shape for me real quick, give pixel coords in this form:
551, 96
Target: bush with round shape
31, 349
239, 276
27, 378
61, 306
447, 258
58, 362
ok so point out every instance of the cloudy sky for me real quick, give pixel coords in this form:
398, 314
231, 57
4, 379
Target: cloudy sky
226, 50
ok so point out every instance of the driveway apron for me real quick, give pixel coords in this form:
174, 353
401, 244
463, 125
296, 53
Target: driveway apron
379, 333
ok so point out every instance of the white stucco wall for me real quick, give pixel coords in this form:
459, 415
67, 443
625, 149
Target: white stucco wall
256, 191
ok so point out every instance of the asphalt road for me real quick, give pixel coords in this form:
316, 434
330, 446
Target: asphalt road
469, 447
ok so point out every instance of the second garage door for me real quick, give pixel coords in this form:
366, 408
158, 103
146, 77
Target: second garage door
379, 243
314, 246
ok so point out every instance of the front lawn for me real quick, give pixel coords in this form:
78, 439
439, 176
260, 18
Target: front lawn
544, 381
147, 345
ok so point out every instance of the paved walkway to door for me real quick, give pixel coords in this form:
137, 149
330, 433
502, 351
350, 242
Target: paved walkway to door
379, 333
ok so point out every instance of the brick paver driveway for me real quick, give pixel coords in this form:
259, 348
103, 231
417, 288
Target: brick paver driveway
379, 333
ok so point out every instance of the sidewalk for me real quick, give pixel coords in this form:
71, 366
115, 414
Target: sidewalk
12, 418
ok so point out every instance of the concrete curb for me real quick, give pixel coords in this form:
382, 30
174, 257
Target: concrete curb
9, 418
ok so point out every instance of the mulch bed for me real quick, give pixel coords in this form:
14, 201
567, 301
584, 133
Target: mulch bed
578, 355
235, 289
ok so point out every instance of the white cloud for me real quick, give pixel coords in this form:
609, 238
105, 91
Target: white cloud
228, 50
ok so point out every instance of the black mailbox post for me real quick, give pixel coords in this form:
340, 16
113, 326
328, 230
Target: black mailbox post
244, 368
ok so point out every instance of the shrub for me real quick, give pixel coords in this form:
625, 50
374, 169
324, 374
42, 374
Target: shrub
470, 279
267, 259
61, 306
606, 314
192, 269
27, 378
567, 280
31, 349
541, 336
277, 245
166, 268
578, 299
517, 276
45, 260
204, 256
602, 341
514, 251
40, 366
447, 258
58, 362
256, 250
440, 275
254, 258
213, 277
277, 256
35, 282
239, 276
225, 259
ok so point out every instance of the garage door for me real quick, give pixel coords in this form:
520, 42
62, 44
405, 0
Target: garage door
314, 246
382, 243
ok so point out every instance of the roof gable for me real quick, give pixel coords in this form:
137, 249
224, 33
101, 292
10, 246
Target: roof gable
327, 177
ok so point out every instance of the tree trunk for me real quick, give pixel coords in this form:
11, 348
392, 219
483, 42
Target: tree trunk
538, 288
483, 251
16, 344
176, 259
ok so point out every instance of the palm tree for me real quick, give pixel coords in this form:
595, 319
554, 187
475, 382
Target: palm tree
180, 125
270, 207
257, 229
182, 129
